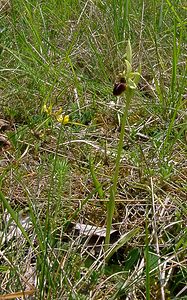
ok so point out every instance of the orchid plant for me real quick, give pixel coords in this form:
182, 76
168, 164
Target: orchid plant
127, 85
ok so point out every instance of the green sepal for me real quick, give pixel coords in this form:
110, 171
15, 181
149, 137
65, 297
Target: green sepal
129, 52
128, 67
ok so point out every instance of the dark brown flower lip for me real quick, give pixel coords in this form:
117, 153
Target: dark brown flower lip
119, 88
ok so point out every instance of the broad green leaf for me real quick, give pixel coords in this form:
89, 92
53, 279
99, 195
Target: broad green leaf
123, 239
132, 258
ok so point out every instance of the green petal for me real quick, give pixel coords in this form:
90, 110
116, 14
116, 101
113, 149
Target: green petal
131, 84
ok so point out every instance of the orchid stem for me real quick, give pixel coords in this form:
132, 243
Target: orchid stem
113, 189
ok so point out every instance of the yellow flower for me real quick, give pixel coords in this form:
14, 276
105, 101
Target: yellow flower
47, 109
63, 119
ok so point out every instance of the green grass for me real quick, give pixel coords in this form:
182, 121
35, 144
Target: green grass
69, 54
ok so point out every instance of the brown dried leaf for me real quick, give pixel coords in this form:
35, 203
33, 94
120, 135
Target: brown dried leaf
4, 124
4, 143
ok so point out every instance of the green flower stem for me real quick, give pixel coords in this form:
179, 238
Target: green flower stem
113, 189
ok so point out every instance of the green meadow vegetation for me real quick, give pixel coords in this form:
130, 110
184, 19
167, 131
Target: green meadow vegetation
73, 154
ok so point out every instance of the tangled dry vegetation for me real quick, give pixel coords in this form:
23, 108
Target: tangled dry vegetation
140, 196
